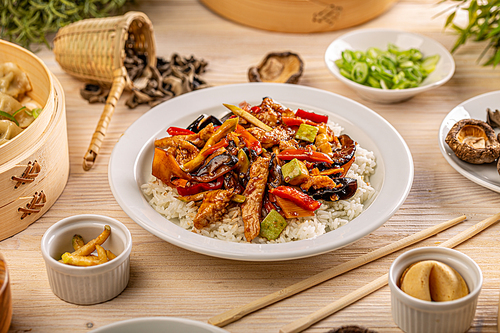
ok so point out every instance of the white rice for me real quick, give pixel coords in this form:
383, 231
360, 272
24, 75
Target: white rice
330, 216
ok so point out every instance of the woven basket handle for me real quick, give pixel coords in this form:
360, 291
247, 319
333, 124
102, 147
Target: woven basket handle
119, 82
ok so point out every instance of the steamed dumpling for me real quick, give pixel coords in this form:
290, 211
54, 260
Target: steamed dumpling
8, 130
10, 105
13, 81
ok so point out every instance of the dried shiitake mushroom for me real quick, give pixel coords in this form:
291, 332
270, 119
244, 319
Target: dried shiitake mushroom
473, 141
493, 118
498, 163
284, 67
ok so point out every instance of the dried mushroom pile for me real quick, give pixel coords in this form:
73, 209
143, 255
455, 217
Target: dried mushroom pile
474, 141
154, 85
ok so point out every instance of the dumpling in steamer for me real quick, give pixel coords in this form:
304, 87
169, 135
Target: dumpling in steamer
13, 81
10, 105
8, 130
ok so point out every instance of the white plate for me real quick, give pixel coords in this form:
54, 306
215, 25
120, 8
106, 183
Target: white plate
484, 174
159, 325
130, 166
362, 39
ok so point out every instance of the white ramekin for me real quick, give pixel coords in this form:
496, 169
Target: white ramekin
93, 284
413, 315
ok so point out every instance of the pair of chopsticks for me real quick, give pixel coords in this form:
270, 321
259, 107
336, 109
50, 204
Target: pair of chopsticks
305, 322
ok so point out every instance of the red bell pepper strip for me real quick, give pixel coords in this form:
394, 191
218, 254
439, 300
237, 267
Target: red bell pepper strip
297, 197
317, 118
255, 109
304, 155
290, 121
200, 187
250, 141
178, 131
220, 144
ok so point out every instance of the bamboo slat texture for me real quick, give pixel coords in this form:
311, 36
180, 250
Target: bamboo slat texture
170, 281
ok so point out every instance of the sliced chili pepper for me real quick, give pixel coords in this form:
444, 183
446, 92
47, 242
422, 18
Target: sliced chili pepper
220, 144
178, 131
298, 197
200, 187
255, 109
318, 118
250, 141
304, 155
290, 121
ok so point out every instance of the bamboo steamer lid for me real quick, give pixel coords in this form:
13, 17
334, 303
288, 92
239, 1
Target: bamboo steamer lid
93, 50
34, 165
299, 16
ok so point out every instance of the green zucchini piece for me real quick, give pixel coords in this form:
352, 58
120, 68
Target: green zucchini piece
272, 226
306, 132
294, 172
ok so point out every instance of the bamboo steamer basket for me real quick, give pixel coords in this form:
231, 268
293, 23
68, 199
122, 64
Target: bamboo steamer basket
299, 16
34, 165
93, 50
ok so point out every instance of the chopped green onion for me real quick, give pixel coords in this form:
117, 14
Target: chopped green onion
18, 110
9, 116
34, 113
360, 72
391, 69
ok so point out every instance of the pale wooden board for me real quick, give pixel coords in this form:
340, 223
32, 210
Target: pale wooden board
169, 281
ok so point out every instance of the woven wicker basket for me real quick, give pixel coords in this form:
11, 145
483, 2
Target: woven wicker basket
34, 165
93, 50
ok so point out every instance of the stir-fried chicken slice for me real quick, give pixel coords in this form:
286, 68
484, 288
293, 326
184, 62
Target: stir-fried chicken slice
212, 208
272, 138
323, 139
254, 193
317, 182
288, 144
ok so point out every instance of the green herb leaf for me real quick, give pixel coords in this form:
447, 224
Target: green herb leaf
9, 117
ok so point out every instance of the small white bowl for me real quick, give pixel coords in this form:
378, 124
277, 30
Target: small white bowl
92, 284
361, 40
413, 315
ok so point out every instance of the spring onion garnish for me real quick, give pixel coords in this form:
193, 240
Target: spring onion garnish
11, 116
391, 69
34, 113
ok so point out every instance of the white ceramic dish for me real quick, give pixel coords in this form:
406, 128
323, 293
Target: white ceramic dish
159, 325
413, 315
362, 39
483, 174
130, 166
93, 284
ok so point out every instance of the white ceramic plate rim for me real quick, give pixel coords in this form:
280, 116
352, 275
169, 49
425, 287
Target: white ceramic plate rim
145, 321
485, 175
393, 158
329, 60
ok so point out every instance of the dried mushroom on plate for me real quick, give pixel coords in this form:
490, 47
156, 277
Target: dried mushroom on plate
493, 118
284, 67
473, 141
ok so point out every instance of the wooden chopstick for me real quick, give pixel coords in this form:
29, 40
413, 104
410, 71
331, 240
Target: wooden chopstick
237, 313
301, 324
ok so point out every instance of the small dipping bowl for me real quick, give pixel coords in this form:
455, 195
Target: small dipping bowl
91, 284
413, 315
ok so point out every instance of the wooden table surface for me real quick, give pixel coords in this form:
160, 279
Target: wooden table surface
169, 281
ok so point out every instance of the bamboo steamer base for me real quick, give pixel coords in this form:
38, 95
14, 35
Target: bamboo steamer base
45, 165
299, 16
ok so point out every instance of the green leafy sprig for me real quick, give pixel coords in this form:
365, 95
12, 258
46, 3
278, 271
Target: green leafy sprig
27, 22
483, 25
